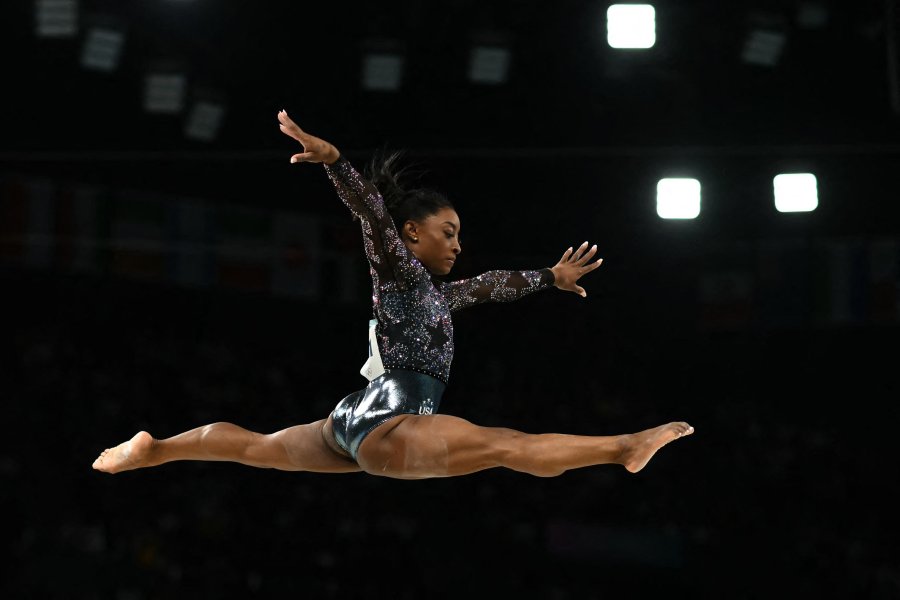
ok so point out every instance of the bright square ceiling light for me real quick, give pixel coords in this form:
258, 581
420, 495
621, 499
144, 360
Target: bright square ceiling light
678, 198
631, 26
796, 192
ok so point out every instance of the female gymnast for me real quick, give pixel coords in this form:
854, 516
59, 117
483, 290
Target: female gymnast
391, 428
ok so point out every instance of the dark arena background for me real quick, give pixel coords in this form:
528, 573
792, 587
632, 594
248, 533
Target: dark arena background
165, 266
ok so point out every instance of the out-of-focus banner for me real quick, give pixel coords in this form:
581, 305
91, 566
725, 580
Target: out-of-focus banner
787, 284
166, 239
196, 243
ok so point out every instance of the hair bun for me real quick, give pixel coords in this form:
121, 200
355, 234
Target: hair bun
394, 182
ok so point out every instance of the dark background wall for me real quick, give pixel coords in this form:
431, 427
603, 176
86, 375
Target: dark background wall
151, 281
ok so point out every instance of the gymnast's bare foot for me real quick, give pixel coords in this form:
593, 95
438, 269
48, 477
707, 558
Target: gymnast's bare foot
640, 447
128, 455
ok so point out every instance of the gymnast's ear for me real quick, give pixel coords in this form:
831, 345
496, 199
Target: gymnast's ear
411, 231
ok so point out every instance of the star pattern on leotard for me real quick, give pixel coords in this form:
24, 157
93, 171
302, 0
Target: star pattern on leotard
438, 337
413, 309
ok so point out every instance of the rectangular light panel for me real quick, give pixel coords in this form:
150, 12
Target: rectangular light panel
763, 47
678, 198
796, 192
382, 72
102, 49
489, 65
204, 121
164, 93
56, 18
631, 26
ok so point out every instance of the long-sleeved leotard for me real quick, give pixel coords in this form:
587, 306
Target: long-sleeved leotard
415, 329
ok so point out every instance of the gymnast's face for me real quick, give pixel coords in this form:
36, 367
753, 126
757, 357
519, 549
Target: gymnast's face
434, 240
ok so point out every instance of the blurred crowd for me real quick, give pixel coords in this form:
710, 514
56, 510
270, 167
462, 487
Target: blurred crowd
787, 489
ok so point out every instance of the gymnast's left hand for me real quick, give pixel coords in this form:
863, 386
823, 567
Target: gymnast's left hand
572, 266
315, 150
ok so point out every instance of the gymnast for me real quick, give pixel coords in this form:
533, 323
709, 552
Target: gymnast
392, 427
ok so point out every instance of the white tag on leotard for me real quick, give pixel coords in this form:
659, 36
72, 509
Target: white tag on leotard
374, 368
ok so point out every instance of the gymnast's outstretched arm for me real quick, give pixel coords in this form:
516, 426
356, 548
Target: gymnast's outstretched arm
506, 286
387, 255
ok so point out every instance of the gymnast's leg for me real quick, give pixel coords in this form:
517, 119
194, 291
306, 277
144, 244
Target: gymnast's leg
422, 446
299, 448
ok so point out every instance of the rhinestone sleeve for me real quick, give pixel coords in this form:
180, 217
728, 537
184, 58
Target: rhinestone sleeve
495, 286
415, 327
387, 254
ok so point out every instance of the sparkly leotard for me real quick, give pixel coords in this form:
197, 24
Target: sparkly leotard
412, 308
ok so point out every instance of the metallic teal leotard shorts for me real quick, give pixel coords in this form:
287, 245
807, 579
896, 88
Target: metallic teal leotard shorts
397, 392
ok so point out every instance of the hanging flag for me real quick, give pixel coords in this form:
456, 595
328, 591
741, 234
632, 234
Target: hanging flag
137, 241
845, 290
191, 237
77, 227
41, 213
785, 283
295, 262
13, 219
31, 210
884, 278
344, 271
243, 248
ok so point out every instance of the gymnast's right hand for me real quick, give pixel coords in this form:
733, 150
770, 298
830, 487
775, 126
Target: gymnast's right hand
315, 150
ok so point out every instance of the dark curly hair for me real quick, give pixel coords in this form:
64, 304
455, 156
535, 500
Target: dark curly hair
403, 201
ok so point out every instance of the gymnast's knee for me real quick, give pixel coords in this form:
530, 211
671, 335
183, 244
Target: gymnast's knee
209, 434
